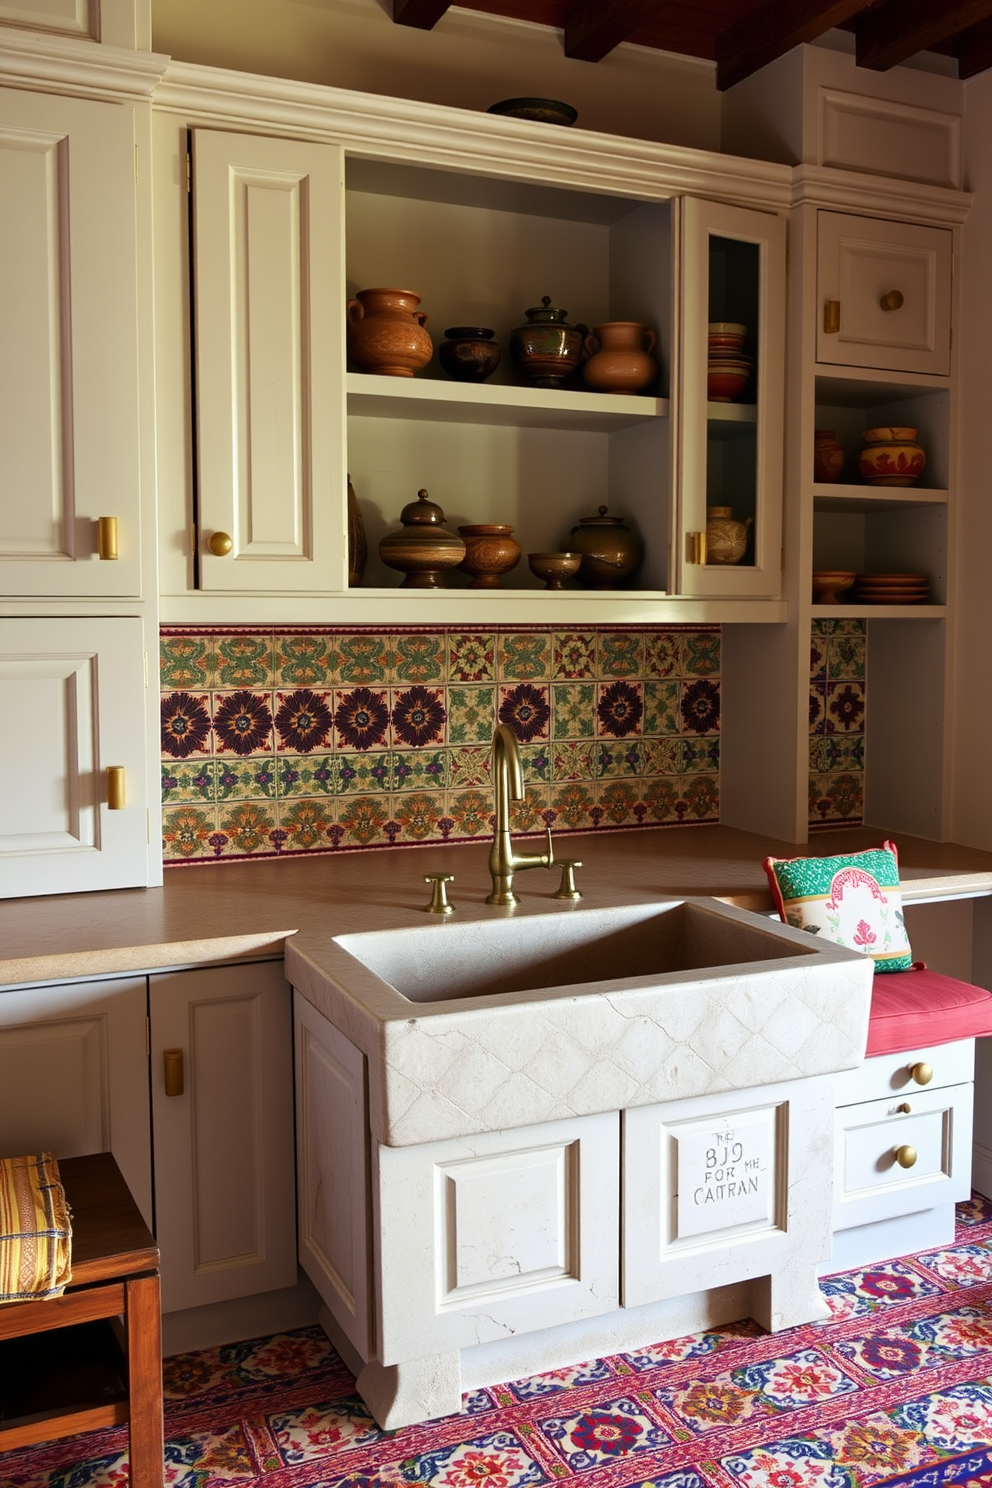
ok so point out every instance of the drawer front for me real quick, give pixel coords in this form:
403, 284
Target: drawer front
892, 281
870, 1182
892, 1074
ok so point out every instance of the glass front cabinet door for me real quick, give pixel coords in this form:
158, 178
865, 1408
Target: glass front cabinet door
733, 389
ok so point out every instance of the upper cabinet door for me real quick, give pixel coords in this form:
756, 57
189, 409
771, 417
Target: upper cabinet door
270, 313
732, 389
884, 292
69, 370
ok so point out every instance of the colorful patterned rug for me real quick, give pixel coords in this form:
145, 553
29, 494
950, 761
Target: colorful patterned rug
895, 1389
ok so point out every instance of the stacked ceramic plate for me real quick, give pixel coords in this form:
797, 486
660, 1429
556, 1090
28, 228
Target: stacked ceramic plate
729, 368
891, 588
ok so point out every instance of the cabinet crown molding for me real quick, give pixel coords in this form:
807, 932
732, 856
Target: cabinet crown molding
84, 69
830, 186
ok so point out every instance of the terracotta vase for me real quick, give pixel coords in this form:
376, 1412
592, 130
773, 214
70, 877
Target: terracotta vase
891, 457
610, 551
547, 349
469, 354
726, 539
620, 359
828, 457
358, 548
423, 548
387, 333
489, 552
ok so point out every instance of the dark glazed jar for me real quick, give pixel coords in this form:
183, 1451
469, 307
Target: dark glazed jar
469, 354
610, 551
546, 351
423, 547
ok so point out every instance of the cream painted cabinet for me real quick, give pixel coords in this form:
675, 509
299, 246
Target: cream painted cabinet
70, 520
72, 763
269, 334
74, 1075
222, 1105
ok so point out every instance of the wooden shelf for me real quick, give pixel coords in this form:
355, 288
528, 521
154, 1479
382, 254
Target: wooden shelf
844, 498
489, 403
731, 420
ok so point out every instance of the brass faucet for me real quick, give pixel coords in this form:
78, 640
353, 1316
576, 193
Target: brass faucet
508, 785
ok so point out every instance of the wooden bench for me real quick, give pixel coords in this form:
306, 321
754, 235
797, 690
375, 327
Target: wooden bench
93, 1357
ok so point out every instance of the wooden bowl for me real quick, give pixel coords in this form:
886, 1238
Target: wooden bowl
554, 568
828, 587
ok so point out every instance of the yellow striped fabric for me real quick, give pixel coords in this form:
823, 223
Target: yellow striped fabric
35, 1233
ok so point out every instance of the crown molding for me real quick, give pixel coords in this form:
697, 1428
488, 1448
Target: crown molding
85, 69
828, 186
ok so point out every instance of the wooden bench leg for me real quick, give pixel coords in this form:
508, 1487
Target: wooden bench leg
144, 1368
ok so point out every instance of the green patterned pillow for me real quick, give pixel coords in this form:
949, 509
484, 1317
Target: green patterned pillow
852, 899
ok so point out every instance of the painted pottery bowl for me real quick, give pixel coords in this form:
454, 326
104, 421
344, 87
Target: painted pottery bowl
726, 336
828, 586
554, 568
726, 380
891, 456
469, 354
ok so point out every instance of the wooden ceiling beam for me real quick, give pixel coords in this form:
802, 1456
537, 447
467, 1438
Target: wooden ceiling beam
975, 51
594, 27
424, 14
774, 29
890, 33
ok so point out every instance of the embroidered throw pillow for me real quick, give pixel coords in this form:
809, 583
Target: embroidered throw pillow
852, 899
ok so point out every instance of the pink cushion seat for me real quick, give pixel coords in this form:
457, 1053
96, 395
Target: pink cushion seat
913, 1009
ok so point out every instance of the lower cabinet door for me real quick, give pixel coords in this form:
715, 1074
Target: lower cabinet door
902, 1154
492, 1235
74, 1076
222, 1109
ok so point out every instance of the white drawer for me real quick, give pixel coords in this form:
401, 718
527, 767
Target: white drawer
869, 1182
891, 1074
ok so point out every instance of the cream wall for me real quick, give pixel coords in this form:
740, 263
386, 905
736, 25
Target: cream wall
467, 61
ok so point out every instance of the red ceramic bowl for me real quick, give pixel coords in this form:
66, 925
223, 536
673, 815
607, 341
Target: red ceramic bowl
725, 381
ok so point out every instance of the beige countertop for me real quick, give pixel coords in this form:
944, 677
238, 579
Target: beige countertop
219, 912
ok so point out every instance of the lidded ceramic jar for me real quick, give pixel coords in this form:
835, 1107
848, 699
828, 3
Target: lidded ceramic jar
469, 354
828, 457
610, 551
387, 334
891, 457
490, 550
547, 349
423, 548
726, 539
620, 359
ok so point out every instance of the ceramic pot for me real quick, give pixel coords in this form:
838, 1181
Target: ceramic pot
358, 548
726, 337
387, 333
469, 354
726, 539
620, 359
610, 551
489, 552
891, 457
829, 586
547, 349
423, 548
726, 378
828, 457
554, 568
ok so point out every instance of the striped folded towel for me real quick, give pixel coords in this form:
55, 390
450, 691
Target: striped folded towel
35, 1233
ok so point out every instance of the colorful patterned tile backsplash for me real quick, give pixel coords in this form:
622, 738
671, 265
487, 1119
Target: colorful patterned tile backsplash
837, 722
282, 741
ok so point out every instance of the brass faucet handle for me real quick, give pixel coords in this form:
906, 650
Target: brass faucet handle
566, 889
551, 849
439, 896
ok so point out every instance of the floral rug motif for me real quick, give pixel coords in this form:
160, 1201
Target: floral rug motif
894, 1389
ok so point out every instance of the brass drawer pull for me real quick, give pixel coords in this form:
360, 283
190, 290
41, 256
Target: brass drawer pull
922, 1073
905, 1156
831, 317
893, 300
107, 545
116, 794
696, 547
172, 1068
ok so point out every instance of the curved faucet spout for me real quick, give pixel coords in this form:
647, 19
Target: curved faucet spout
508, 785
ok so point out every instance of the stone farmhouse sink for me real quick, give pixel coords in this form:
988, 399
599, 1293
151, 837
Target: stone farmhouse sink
497, 1022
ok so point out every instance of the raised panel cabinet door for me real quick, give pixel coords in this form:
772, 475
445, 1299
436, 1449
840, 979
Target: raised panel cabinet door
69, 458
486, 1236
74, 1076
884, 292
269, 330
730, 453
332, 1161
222, 1108
73, 805
115, 22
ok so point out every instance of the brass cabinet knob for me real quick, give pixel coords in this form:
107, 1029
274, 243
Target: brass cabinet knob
172, 1070
831, 317
905, 1156
566, 889
439, 898
893, 300
106, 539
220, 544
922, 1073
115, 788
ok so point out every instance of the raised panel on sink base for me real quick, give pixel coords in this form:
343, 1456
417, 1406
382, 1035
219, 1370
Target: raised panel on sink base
899, 1235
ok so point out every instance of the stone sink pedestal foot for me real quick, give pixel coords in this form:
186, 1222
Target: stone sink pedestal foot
414, 1391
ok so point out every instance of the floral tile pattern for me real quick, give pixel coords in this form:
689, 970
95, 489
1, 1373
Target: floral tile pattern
837, 722
280, 741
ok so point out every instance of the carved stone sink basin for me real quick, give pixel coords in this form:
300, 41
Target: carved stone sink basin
505, 1021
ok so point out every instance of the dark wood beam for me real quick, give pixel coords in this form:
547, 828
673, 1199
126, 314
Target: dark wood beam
774, 29
975, 51
594, 27
424, 14
901, 28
